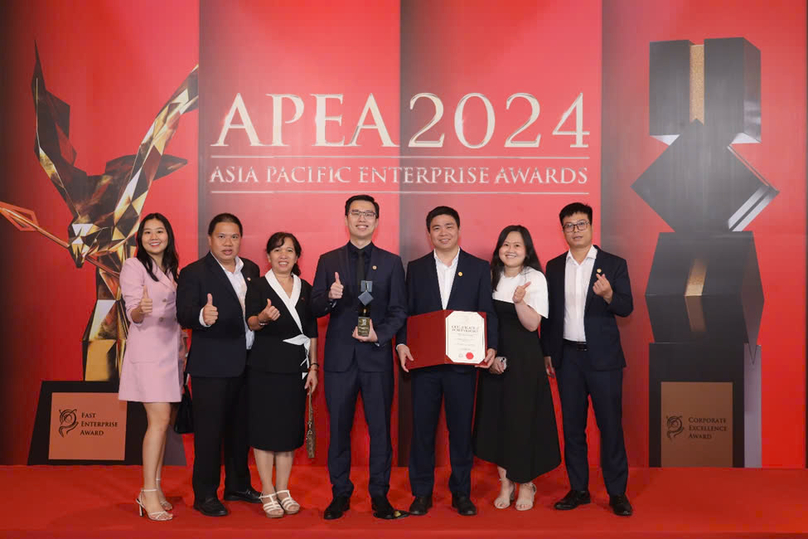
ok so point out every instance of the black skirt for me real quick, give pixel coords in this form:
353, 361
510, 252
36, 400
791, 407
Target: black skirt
277, 410
515, 425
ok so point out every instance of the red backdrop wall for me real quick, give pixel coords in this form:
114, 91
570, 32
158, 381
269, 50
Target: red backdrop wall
117, 62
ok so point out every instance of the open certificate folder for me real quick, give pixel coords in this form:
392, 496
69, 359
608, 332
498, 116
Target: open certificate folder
446, 337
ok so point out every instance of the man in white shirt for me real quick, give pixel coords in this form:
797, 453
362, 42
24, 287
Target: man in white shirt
587, 288
446, 278
210, 301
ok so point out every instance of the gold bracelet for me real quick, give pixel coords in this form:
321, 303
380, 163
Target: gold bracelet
314, 366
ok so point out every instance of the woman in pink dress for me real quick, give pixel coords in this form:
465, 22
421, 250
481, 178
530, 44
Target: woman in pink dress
152, 364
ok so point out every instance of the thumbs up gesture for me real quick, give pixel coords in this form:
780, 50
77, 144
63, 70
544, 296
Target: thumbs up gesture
269, 313
146, 303
335, 292
209, 312
519, 293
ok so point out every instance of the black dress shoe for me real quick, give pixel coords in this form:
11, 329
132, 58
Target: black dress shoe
211, 507
250, 495
573, 499
337, 507
620, 505
420, 505
464, 505
382, 509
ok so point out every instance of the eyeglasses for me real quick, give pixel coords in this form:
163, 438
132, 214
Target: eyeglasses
580, 226
369, 214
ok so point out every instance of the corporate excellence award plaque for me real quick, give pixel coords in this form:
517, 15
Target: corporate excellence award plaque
83, 422
446, 337
704, 294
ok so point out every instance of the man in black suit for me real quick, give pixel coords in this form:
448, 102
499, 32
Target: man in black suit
446, 278
353, 363
210, 301
587, 287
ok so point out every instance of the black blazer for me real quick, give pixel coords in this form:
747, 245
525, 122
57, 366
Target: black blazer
471, 291
269, 353
602, 335
388, 310
219, 350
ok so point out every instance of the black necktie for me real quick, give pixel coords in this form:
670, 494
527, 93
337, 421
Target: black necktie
360, 270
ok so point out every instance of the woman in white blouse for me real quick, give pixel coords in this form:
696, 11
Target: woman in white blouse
281, 368
515, 426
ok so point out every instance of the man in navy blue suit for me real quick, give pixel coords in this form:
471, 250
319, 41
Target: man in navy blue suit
446, 278
354, 364
587, 288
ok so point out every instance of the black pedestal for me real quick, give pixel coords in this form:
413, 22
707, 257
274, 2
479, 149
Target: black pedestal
84, 423
704, 405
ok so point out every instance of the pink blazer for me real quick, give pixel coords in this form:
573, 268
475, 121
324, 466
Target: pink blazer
154, 356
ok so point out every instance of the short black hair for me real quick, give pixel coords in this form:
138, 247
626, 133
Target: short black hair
366, 198
277, 239
442, 210
224, 218
575, 207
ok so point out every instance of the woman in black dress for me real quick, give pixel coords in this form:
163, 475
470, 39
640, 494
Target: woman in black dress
282, 366
515, 425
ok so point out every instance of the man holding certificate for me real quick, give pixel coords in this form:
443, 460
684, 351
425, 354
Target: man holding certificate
448, 278
362, 287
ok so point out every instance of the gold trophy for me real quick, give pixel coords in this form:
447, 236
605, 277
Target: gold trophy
106, 210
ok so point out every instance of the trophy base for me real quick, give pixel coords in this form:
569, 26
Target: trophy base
363, 326
704, 405
85, 423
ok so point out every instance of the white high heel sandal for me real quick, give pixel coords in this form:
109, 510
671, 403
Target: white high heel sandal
290, 506
165, 503
272, 508
504, 502
159, 516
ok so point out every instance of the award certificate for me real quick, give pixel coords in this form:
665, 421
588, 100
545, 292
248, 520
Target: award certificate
465, 337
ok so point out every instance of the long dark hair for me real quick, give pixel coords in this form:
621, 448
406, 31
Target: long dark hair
531, 258
171, 260
277, 239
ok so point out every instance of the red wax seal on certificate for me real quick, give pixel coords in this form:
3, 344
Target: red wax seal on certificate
469, 355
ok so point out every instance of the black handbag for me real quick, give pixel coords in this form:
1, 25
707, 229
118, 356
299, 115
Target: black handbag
184, 422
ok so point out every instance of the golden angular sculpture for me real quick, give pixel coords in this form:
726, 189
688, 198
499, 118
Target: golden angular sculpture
106, 209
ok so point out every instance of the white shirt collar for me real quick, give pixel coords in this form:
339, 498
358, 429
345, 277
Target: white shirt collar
591, 254
239, 264
289, 301
439, 261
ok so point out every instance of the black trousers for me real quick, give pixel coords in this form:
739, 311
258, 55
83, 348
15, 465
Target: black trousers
577, 381
429, 386
341, 390
220, 419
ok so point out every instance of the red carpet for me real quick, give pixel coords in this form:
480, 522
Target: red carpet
96, 501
